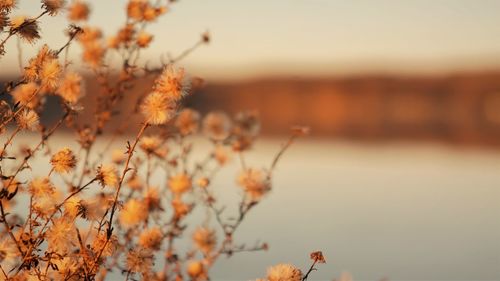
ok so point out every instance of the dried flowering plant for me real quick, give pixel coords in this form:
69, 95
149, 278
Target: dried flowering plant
96, 212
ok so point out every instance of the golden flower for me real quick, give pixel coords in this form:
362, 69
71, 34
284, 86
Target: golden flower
151, 238
31, 72
203, 182
7, 5
93, 54
157, 109
45, 204
107, 175
284, 272
28, 120
95, 208
70, 88
217, 125
134, 212
78, 11
63, 161
27, 95
101, 243
204, 239
27, 28
135, 9
61, 236
150, 144
53, 6
254, 182
139, 260
149, 13
180, 208
179, 183
197, 271
39, 187
187, 122
144, 39
126, 33
50, 73
318, 257
172, 82
72, 207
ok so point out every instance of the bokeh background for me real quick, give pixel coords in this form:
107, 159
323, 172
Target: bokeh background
400, 177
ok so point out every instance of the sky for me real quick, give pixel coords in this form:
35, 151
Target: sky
306, 37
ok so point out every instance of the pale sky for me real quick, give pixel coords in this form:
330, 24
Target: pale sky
308, 37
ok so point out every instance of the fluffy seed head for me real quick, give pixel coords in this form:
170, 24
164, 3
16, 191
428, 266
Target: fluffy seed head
179, 183
151, 238
107, 175
204, 239
78, 11
28, 120
284, 272
173, 83
134, 212
157, 108
53, 6
70, 88
255, 183
187, 122
63, 161
217, 125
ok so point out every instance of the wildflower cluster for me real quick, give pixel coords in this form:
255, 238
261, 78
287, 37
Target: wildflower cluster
96, 210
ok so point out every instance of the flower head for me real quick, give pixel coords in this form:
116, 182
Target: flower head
50, 73
217, 125
204, 239
107, 175
27, 94
78, 11
63, 161
173, 83
151, 238
139, 260
144, 39
197, 271
70, 88
179, 183
27, 28
62, 235
157, 108
255, 183
187, 122
134, 212
28, 120
7, 5
284, 272
53, 6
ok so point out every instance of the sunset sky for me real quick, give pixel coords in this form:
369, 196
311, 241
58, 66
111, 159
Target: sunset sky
309, 37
